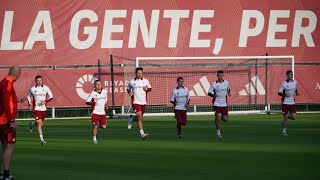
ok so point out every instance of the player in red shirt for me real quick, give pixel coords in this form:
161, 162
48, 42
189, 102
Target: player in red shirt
8, 115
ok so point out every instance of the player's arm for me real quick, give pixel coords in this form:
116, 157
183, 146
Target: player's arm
148, 87
280, 91
106, 104
7, 100
50, 95
173, 98
229, 91
211, 91
90, 100
188, 99
29, 100
297, 93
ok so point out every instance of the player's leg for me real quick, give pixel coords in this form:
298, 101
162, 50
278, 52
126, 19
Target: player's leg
292, 110
39, 117
34, 123
1, 160
8, 149
40, 124
140, 109
7, 155
103, 121
292, 116
95, 124
217, 118
2, 149
31, 125
140, 125
225, 115
43, 117
179, 123
94, 134
183, 115
130, 121
139, 117
284, 123
217, 122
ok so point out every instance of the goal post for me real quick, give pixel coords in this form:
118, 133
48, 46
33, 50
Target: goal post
254, 82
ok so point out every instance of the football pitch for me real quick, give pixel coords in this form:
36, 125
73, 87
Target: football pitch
251, 148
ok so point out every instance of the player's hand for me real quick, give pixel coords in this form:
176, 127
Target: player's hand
43, 102
187, 106
30, 107
23, 99
229, 94
298, 94
130, 93
145, 88
13, 124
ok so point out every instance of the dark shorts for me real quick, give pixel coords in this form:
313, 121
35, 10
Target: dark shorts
39, 115
7, 134
98, 118
222, 110
181, 116
288, 108
138, 107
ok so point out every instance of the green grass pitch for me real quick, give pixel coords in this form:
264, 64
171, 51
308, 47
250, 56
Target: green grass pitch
251, 148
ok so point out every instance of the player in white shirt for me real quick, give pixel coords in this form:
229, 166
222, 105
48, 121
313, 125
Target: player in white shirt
180, 98
287, 91
137, 90
219, 91
41, 95
98, 99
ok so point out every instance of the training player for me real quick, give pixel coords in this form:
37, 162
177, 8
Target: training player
98, 99
219, 91
180, 98
41, 95
137, 90
287, 91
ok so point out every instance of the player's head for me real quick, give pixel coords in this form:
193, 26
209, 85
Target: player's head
97, 85
220, 75
180, 81
289, 74
15, 72
38, 80
139, 72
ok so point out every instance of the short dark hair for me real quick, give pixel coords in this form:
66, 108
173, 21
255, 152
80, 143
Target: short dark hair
38, 76
138, 69
179, 78
97, 80
288, 72
220, 71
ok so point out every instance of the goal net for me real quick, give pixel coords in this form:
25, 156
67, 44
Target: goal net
254, 82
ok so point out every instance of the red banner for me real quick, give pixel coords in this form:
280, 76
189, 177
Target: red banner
53, 33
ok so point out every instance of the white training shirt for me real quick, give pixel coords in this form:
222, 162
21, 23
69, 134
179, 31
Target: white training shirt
39, 94
181, 96
221, 91
100, 101
136, 86
288, 87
